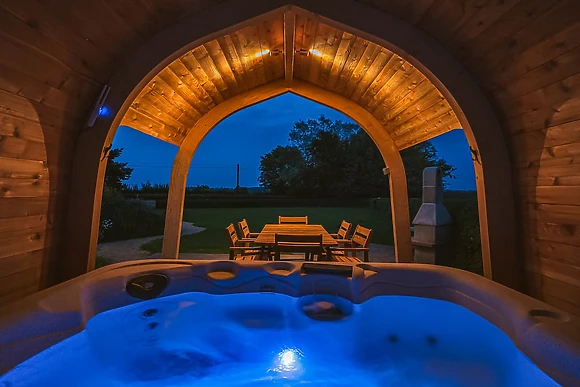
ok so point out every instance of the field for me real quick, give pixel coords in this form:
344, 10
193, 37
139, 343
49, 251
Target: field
376, 215
214, 238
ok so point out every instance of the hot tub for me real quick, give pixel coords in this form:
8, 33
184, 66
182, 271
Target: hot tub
226, 323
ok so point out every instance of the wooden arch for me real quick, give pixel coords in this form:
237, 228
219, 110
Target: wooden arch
386, 145
496, 200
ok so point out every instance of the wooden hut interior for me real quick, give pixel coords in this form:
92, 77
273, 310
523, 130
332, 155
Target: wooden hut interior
506, 72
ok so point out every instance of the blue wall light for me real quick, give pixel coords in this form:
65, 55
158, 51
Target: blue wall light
104, 111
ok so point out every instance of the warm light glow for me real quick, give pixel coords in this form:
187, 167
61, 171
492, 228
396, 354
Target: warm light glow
266, 51
315, 52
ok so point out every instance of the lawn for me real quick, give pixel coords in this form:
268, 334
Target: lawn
214, 239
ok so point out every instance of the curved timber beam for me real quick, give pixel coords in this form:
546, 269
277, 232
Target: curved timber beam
178, 180
384, 142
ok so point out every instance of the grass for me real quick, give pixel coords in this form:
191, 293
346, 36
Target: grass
214, 238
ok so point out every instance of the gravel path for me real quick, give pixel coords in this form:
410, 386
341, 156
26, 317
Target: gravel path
130, 249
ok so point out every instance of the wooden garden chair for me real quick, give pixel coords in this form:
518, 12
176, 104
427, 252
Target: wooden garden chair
343, 232
310, 245
240, 248
245, 230
292, 219
358, 243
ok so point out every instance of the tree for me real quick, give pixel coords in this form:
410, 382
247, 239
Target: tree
416, 159
304, 132
117, 172
279, 169
335, 158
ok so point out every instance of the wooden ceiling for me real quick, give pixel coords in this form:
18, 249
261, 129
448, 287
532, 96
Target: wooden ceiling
408, 105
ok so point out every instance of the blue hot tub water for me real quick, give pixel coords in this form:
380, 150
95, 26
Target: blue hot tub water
263, 339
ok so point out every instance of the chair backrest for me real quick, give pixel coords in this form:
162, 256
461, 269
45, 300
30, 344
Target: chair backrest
293, 219
344, 229
298, 243
362, 236
232, 234
244, 228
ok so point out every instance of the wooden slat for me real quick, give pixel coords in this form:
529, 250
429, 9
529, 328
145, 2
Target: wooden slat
267, 235
190, 61
21, 207
29, 36
138, 121
398, 78
28, 63
329, 51
95, 23
50, 25
14, 147
419, 99
413, 79
212, 72
248, 48
548, 98
428, 130
270, 40
217, 56
478, 22
228, 48
358, 48
559, 251
155, 106
545, 138
390, 69
23, 188
503, 29
181, 88
563, 195
192, 86
361, 70
410, 124
22, 169
22, 262
20, 107
167, 103
374, 70
552, 213
553, 20
305, 34
289, 45
340, 58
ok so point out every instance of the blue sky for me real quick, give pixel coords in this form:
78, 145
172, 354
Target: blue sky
245, 136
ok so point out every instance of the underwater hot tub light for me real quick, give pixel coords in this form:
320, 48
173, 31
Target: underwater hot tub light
288, 360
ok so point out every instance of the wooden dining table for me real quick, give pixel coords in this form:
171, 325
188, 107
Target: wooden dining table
267, 236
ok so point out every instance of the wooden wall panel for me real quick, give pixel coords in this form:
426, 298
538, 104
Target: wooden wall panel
526, 55
49, 77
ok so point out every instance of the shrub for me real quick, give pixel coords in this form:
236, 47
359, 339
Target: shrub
126, 218
274, 201
463, 210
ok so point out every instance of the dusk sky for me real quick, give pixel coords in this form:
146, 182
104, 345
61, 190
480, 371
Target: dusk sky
245, 136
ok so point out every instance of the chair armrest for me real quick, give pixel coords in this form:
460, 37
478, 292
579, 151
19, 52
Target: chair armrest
244, 249
350, 248
365, 251
335, 236
344, 242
